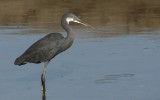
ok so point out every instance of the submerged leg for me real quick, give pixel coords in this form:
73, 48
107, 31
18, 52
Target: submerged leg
43, 80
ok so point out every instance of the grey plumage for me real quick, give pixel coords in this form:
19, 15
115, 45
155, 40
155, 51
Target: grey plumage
42, 50
49, 46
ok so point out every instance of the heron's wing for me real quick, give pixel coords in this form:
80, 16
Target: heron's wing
42, 50
52, 38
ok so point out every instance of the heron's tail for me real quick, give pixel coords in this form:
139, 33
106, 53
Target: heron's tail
19, 61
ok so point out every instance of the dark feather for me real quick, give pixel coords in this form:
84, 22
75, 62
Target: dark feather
43, 50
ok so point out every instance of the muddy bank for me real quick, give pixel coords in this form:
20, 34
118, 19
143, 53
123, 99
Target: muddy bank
132, 13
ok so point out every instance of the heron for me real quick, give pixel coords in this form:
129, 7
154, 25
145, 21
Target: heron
46, 48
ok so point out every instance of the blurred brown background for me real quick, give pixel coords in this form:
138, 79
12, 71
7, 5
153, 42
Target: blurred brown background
45, 13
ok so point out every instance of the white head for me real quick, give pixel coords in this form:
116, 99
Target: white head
70, 17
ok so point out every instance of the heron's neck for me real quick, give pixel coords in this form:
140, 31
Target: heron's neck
70, 36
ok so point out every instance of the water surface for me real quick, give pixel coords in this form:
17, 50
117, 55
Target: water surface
117, 68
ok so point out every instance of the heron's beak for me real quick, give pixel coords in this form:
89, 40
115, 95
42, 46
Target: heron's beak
83, 23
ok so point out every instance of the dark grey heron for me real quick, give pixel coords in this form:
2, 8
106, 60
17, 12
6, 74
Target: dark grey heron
49, 46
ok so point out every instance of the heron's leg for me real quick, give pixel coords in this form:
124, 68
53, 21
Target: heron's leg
43, 78
44, 70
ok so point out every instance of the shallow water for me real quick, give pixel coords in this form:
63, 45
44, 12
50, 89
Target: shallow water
123, 67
